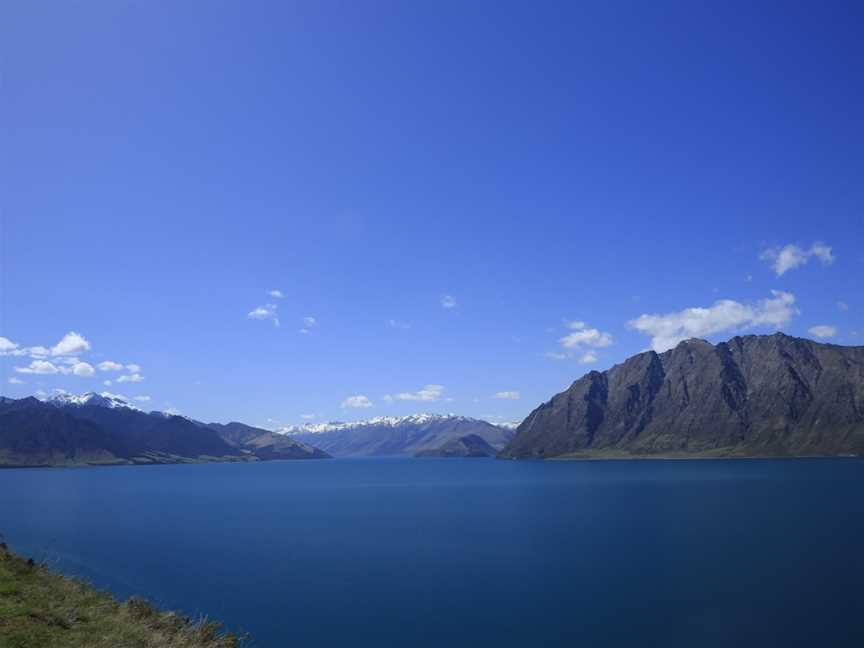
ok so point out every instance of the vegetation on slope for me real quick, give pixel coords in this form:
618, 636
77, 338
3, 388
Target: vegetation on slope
42, 609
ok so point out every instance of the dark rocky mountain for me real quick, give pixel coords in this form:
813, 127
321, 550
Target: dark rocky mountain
33, 433
470, 445
394, 436
753, 396
95, 429
265, 444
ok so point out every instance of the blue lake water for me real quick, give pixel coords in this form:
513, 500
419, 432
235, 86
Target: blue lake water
467, 552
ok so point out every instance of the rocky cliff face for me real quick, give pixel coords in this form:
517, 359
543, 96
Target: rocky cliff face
751, 396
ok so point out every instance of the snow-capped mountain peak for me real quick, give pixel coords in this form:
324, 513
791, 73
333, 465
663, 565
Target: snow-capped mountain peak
378, 421
91, 399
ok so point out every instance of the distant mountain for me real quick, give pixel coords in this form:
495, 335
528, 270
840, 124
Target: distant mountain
265, 444
100, 429
769, 395
470, 445
395, 435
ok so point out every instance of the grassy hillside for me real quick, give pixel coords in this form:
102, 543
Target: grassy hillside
41, 609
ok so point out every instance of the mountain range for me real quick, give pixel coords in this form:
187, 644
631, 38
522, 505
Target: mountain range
397, 435
753, 396
101, 429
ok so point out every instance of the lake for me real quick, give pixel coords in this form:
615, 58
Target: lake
468, 552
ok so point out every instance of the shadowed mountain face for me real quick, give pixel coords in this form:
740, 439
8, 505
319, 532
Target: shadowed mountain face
95, 430
265, 444
392, 436
752, 396
470, 445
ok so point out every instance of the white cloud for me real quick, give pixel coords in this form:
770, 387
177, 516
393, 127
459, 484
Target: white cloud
842, 306
133, 378
428, 393
38, 352
109, 365
448, 301
107, 383
133, 368
396, 324
15, 381
71, 344
142, 399
267, 311
792, 256
83, 369
307, 417
357, 401
589, 357
668, 330
823, 331
584, 336
507, 395
42, 367
7, 345
308, 324
276, 293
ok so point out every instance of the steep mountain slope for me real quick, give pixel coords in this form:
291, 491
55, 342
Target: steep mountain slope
98, 429
265, 444
33, 433
751, 396
470, 445
392, 436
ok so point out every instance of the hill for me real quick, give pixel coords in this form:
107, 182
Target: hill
753, 396
42, 609
98, 429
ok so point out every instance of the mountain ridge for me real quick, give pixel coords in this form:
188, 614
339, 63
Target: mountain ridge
92, 428
756, 395
395, 435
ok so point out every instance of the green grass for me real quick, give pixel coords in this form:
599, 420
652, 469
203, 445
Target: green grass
42, 609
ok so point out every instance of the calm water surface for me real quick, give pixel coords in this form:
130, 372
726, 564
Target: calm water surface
468, 552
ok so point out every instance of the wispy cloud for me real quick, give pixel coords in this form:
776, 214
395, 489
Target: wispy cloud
448, 301
428, 393
110, 365
823, 331
669, 329
842, 306
275, 293
583, 336
41, 367
357, 401
132, 378
507, 395
580, 342
265, 312
15, 381
397, 324
786, 258
309, 323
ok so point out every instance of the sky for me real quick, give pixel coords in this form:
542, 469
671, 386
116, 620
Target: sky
284, 212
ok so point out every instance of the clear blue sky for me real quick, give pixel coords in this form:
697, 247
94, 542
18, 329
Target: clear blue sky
550, 171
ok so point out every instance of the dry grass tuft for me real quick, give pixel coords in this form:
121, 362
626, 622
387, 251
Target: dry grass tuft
42, 609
